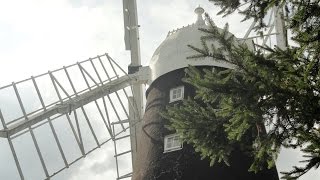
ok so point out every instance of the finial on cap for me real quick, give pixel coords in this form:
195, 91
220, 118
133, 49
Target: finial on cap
199, 11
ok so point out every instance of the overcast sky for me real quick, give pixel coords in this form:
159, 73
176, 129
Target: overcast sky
41, 35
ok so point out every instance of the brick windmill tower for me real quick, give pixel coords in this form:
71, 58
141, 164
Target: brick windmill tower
160, 155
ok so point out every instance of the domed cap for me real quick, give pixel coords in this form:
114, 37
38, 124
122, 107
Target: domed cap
173, 52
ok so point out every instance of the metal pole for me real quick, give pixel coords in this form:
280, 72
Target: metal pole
115, 72
124, 109
90, 127
132, 43
68, 118
84, 112
133, 133
50, 123
280, 29
79, 131
2, 121
111, 61
31, 131
115, 152
12, 148
112, 105
15, 158
107, 115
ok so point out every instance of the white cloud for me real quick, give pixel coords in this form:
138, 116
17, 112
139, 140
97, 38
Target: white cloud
54, 33
99, 165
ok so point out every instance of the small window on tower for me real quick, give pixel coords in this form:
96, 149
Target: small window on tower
172, 142
176, 94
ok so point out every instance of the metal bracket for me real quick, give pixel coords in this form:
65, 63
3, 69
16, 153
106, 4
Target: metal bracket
133, 69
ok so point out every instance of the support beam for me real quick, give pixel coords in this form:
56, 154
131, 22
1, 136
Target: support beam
131, 30
120, 154
74, 103
282, 41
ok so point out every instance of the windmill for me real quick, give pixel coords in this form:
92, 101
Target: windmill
106, 84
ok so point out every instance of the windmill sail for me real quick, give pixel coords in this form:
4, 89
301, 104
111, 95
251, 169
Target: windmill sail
89, 100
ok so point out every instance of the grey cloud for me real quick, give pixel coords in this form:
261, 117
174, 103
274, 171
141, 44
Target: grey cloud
108, 164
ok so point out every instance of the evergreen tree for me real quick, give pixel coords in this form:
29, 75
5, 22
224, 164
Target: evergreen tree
268, 100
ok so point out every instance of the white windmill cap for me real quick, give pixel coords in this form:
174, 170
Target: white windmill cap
173, 51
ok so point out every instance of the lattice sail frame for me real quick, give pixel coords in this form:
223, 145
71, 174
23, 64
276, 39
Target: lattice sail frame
274, 34
105, 86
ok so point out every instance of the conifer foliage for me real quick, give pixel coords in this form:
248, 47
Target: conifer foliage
266, 101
